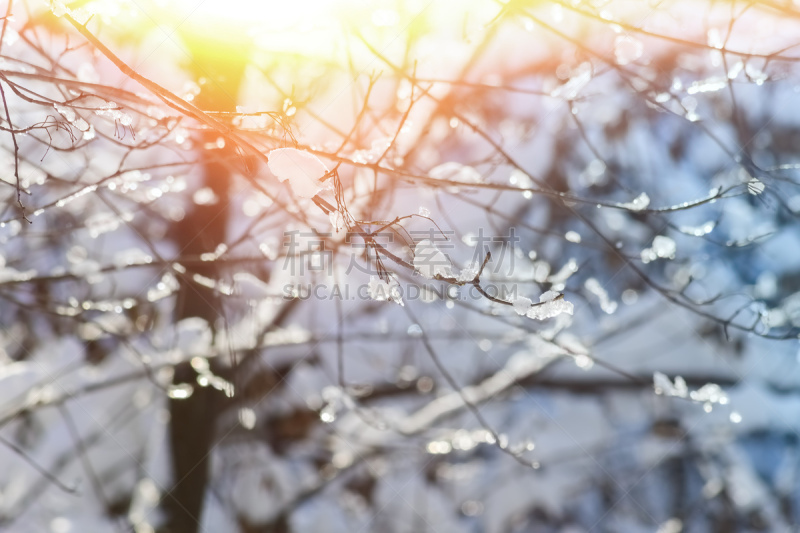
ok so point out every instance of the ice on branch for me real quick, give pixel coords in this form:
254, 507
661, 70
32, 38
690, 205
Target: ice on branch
755, 186
665, 387
551, 304
639, 203
337, 221
755, 74
430, 262
663, 248
69, 114
303, 170
709, 85
521, 304
699, 231
383, 291
708, 394
469, 272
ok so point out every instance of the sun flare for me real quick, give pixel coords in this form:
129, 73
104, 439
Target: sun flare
307, 28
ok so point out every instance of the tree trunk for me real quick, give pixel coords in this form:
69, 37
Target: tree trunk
204, 227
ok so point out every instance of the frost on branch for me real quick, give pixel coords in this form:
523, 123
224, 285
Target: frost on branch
301, 168
551, 304
639, 203
430, 262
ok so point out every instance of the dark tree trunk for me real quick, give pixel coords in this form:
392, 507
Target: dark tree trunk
204, 227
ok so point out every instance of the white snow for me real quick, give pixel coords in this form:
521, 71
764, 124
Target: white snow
755, 74
521, 304
663, 247
551, 304
711, 393
699, 231
708, 394
606, 304
469, 272
709, 85
382, 290
664, 386
430, 261
303, 170
755, 186
637, 204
